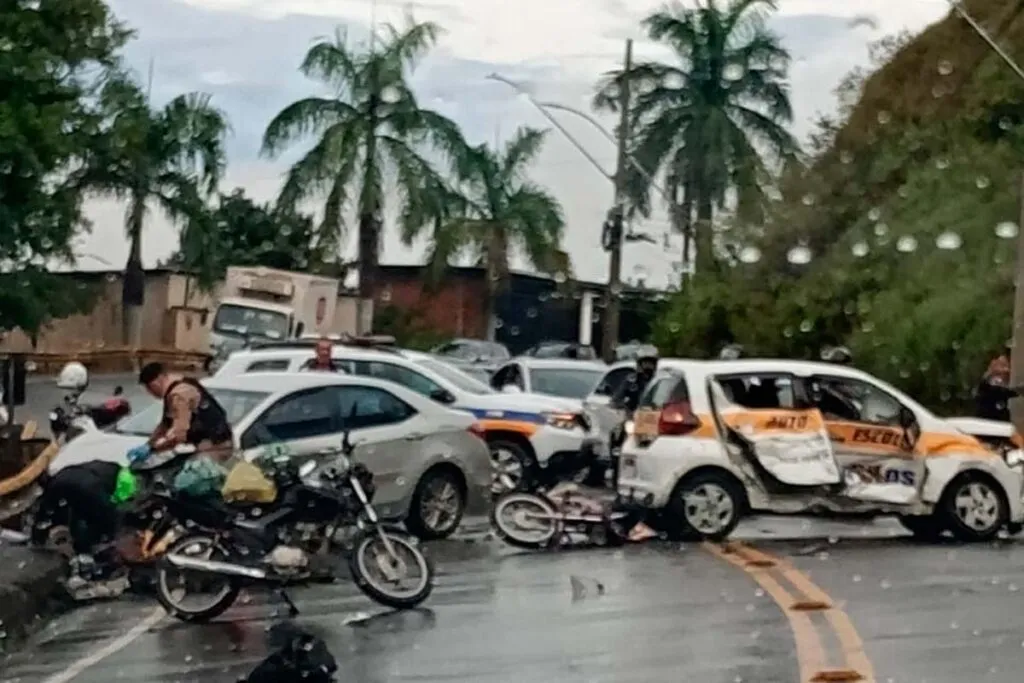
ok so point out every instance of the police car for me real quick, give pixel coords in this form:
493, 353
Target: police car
715, 440
523, 430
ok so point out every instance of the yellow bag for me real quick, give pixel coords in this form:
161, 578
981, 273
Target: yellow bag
246, 483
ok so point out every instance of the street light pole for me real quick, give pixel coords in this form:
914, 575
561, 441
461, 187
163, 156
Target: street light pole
611, 308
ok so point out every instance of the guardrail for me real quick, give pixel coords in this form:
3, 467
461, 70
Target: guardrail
118, 360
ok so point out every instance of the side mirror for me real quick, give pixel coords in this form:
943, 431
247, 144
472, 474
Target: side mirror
907, 418
442, 396
511, 389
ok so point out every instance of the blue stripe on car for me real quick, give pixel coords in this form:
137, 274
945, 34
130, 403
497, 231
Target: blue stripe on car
497, 414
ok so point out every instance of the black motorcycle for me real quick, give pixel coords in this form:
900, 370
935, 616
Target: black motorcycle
273, 545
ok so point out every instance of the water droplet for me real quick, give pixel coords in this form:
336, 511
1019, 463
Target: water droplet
1005, 123
884, 117
823, 556
732, 72
514, 331
806, 326
498, 323
945, 67
874, 214
773, 194
906, 244
938, 91
759, 592
982, 182
867, 327
885, 584
1007, 230
807, 200
857, 578
799, 255
942, 163
832, 540
750, 255
846, 157
560, 278
750, 608
531, 313
673, 327
881, 229
860, 249
616, 289
948, 241
954, 625
787, 332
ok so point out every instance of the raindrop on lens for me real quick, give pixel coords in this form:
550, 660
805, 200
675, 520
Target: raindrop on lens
881, 230
942, 163
1007, 230
674, 327
788, 332
874, 214
1005, 123
498, 324
982, 182
799, 255
884, 117
514, 331
945, 67
846, 157
531, 313
560, 278
906, 244
948, 241
806, 326
860, 249
750, 255
732, 72
808, 200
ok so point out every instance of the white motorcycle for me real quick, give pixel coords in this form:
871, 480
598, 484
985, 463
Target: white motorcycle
72, 417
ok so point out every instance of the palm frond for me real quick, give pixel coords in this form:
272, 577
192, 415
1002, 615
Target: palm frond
308, 116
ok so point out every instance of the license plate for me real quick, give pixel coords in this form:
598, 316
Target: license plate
645, 424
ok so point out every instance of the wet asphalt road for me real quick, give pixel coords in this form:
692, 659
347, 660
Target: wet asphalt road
919, 613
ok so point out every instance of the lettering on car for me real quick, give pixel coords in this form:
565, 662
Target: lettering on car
881, 437
879, 474
787, 422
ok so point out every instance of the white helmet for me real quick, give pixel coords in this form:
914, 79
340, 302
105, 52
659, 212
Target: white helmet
73, 377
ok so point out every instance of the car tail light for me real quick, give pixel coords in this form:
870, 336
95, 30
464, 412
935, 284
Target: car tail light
476, 430
676, 419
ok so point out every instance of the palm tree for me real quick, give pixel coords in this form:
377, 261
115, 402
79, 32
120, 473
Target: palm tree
709, 121
170, 157
498, 209
371, 126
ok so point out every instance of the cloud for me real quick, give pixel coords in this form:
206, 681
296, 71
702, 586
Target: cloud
245, 53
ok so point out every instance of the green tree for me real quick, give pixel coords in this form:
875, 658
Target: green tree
171, 157
53, 56
370, 127
706, 121
240, 232
500, 210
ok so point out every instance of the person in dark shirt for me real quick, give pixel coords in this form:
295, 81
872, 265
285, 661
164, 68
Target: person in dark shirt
627, 396
322, 360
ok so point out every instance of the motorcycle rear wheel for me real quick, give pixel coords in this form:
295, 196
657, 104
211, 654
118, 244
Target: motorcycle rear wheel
165, 593
547, 526
368, 552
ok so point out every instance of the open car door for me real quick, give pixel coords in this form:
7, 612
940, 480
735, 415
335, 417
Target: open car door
788, 445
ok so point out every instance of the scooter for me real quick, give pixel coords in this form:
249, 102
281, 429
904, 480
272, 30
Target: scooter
73, 418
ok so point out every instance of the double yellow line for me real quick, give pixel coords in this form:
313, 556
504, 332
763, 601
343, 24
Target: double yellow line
799, 600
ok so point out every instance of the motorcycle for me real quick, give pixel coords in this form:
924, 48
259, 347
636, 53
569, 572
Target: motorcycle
559, 508
72, 418
274, 548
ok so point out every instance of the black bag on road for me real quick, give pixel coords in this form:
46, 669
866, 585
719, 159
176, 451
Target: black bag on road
299, 657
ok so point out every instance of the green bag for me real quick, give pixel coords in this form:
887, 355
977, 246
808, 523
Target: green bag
125, 487
200, 476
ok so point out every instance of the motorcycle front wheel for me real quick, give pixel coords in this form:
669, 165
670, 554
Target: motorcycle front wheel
381, 569
172, 583
525, 520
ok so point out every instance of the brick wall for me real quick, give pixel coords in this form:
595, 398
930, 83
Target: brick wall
455, 308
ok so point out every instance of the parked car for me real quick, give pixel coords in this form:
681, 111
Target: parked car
472, 351
715, 440
524, 431
430, 463
549, 376
561, 349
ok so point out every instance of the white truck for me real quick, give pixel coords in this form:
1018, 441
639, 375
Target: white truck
264, 304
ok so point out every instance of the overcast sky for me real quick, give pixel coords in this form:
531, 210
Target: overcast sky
245, 53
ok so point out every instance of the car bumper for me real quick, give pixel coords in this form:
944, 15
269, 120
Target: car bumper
551, 440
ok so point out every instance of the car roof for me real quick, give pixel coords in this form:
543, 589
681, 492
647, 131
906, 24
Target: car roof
556, 363
277, 382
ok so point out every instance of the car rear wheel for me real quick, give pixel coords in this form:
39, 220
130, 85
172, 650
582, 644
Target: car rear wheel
437, 505
707, 505
973, 507
513, 466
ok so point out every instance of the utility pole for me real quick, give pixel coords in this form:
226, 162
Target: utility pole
615, 218
1017, 352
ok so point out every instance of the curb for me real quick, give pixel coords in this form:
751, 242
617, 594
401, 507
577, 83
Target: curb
28, 591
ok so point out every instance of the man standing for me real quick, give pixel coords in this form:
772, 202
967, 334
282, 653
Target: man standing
322, 360
191, 416
993, 394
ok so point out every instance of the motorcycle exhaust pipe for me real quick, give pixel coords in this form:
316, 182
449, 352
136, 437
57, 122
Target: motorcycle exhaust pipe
212, 566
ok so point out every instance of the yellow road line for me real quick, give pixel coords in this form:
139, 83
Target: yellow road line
811, 657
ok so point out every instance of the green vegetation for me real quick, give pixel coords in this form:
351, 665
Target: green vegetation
892, 237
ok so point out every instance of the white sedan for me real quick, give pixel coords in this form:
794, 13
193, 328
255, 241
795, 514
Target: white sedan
430, 463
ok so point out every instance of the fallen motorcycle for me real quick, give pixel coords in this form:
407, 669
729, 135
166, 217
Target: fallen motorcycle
275, 548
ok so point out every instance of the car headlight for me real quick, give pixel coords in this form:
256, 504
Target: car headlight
1015, 458
563, 420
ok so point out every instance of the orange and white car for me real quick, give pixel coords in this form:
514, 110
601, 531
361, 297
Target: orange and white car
714, 440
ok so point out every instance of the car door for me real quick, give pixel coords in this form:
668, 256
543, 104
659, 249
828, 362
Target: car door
387, 433
598, 403
410, 379
302, 424
874, 436
768, 427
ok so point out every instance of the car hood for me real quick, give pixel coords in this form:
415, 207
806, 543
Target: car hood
526, 402
976, 426
105, 446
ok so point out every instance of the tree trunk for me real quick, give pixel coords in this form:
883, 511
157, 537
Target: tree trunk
706, 264
369, 261
133, 285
